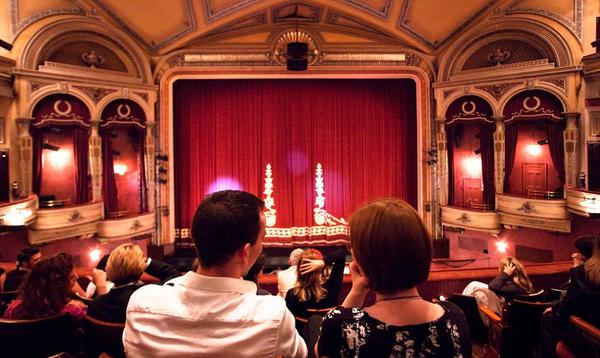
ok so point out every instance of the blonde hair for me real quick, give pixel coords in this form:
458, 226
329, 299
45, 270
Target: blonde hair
126, 264
519, 276
309, 285
592, 265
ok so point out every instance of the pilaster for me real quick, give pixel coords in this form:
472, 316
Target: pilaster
499, 142
570, 135
25, 145
95, 144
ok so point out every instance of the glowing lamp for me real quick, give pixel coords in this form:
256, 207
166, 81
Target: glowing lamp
120, 169
472, 166
59, 158
94, 255
534, 149
501, 246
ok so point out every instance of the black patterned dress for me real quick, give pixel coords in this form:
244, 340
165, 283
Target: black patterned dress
351, 332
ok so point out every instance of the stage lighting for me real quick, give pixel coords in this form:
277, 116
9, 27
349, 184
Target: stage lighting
501, 246
120, 169
534, 149
5, 45
95, 255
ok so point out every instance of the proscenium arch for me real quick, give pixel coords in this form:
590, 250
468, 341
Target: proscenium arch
472, 40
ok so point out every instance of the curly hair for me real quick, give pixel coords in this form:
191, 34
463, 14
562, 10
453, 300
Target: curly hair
309, 285
44, 292
519, 277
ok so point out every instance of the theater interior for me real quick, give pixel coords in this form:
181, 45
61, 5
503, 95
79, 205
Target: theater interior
117, 118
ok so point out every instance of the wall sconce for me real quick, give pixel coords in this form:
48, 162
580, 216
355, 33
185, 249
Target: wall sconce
534, 149
120, 169
501, 246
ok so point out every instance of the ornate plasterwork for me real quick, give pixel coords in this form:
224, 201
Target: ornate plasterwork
574, 25
558, 82
340, 19
383, 13
17, 26
281, 15
95, 93
403, 24
498, 90
34, 85
188, 26
279, 53
211, 16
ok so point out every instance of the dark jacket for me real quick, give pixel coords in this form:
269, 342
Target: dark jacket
14, 279
505, 287
582, 299
112, 306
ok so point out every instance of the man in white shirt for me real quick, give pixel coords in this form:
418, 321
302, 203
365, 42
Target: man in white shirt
287, 278
213, 312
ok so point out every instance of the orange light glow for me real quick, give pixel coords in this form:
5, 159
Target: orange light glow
501, 246
472, 166
120, 169
534, 149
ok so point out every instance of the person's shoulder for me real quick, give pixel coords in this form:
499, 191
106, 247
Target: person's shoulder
343, 313
149, 294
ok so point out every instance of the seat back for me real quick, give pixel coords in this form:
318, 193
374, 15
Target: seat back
41, 337
539, 296
521, 325
590, 334
7, 296
468, 304
103, 337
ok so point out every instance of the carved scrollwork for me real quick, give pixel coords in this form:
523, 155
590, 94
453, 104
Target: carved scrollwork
464, 218
528, 208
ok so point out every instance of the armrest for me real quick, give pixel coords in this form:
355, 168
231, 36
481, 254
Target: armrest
586, 327
490, 314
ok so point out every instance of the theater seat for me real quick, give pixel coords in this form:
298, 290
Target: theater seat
468, 304
586, 335
41, 337
103, 337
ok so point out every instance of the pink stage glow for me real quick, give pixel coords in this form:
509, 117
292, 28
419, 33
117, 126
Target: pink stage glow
224, 183
534, 149
472, 166
297, 162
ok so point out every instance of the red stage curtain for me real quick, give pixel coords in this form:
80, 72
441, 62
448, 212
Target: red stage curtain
450, 148
142, 168
486, 139
363, 132
109, 185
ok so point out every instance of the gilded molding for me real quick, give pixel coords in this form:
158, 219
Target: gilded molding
340, 19
95, 93
383, 13
498, 90
315, 15
18, 26
560, 82
210, 15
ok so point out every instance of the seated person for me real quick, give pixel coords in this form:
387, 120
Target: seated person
584, 246
512, 280
125, 265
2, 278
46, 290
391, 249
582, 299
255, 272
287, 278
311, 290
26, 259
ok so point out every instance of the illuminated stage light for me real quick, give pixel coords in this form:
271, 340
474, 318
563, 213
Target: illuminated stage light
472, 166
501, 246
59, 158
95, 255
224, 183
534, 149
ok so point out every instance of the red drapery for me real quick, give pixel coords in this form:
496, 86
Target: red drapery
486, 138
109, 185
363, 132
80, 169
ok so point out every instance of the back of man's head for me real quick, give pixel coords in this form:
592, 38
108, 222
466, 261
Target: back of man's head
223, 223
295, 256
585, 245
25, 255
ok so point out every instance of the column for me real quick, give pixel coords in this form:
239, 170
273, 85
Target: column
570, 136
442, 157
95, 149
25, 145
149, 160
499, 154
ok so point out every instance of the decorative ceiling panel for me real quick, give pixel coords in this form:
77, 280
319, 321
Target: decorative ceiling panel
379, 8
143, 24
567, 12
336, 18
417, 17
334, 37
23, 13
258, 38
216, 9
297, 12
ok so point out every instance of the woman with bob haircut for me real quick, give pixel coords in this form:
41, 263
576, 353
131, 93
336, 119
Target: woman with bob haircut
512, 279
392, 254
46, 291
125, 266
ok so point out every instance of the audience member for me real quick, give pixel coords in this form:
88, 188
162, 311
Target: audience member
312, 291
46, 290
287, 278
255, 272
582, 299
125, 266
26, 259
512, 280
392, 254
213, 312
2, 278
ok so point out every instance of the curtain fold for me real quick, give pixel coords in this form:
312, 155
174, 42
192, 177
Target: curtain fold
142, 169
81, 164
109, 185
510, 147
362, 132
486, 139
556, 147
38, 138
450, 149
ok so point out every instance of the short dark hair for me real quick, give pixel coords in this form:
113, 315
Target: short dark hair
585, 245
223, 223
25, 255
391, 244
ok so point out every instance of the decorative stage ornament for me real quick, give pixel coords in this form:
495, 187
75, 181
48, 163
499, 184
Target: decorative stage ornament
123, 114
279, 53
270, 212
498, 56
92, 59
322, 217
531, 108
59, 111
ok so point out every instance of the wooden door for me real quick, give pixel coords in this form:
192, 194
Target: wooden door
472, 190
534, 177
